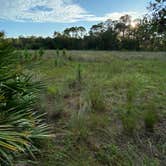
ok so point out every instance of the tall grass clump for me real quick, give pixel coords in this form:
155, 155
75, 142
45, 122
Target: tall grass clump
20, 124
55, 103
78, 125
95, 98
150, 116
129, 114
77, 79
129, 121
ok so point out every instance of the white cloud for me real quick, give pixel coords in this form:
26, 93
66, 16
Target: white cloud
32, 10
50, 11
113, 16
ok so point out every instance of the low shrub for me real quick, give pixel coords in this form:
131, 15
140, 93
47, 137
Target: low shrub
20, 124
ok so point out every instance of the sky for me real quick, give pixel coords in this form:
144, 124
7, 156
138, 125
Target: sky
43, 17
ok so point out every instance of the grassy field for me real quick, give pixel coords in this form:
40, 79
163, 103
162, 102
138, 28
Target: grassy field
105, 108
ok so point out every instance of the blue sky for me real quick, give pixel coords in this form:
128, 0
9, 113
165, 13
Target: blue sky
43, 17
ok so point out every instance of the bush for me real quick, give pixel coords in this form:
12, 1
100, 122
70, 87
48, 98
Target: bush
20, 124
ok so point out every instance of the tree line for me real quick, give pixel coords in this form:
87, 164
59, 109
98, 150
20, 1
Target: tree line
148, 33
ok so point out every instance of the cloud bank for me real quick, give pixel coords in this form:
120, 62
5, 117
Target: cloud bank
54, 11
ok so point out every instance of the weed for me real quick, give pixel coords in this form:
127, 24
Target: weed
95, 99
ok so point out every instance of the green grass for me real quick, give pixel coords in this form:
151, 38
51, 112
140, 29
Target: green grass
116, 116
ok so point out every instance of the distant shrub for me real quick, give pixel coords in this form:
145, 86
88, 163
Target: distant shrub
41, 52
60, 59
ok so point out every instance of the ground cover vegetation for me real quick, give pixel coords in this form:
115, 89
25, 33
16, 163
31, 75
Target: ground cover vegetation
105, 108
82, 108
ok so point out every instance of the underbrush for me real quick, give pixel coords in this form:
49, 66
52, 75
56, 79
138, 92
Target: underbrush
105, 111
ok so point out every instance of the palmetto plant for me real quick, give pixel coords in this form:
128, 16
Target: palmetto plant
20, 124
